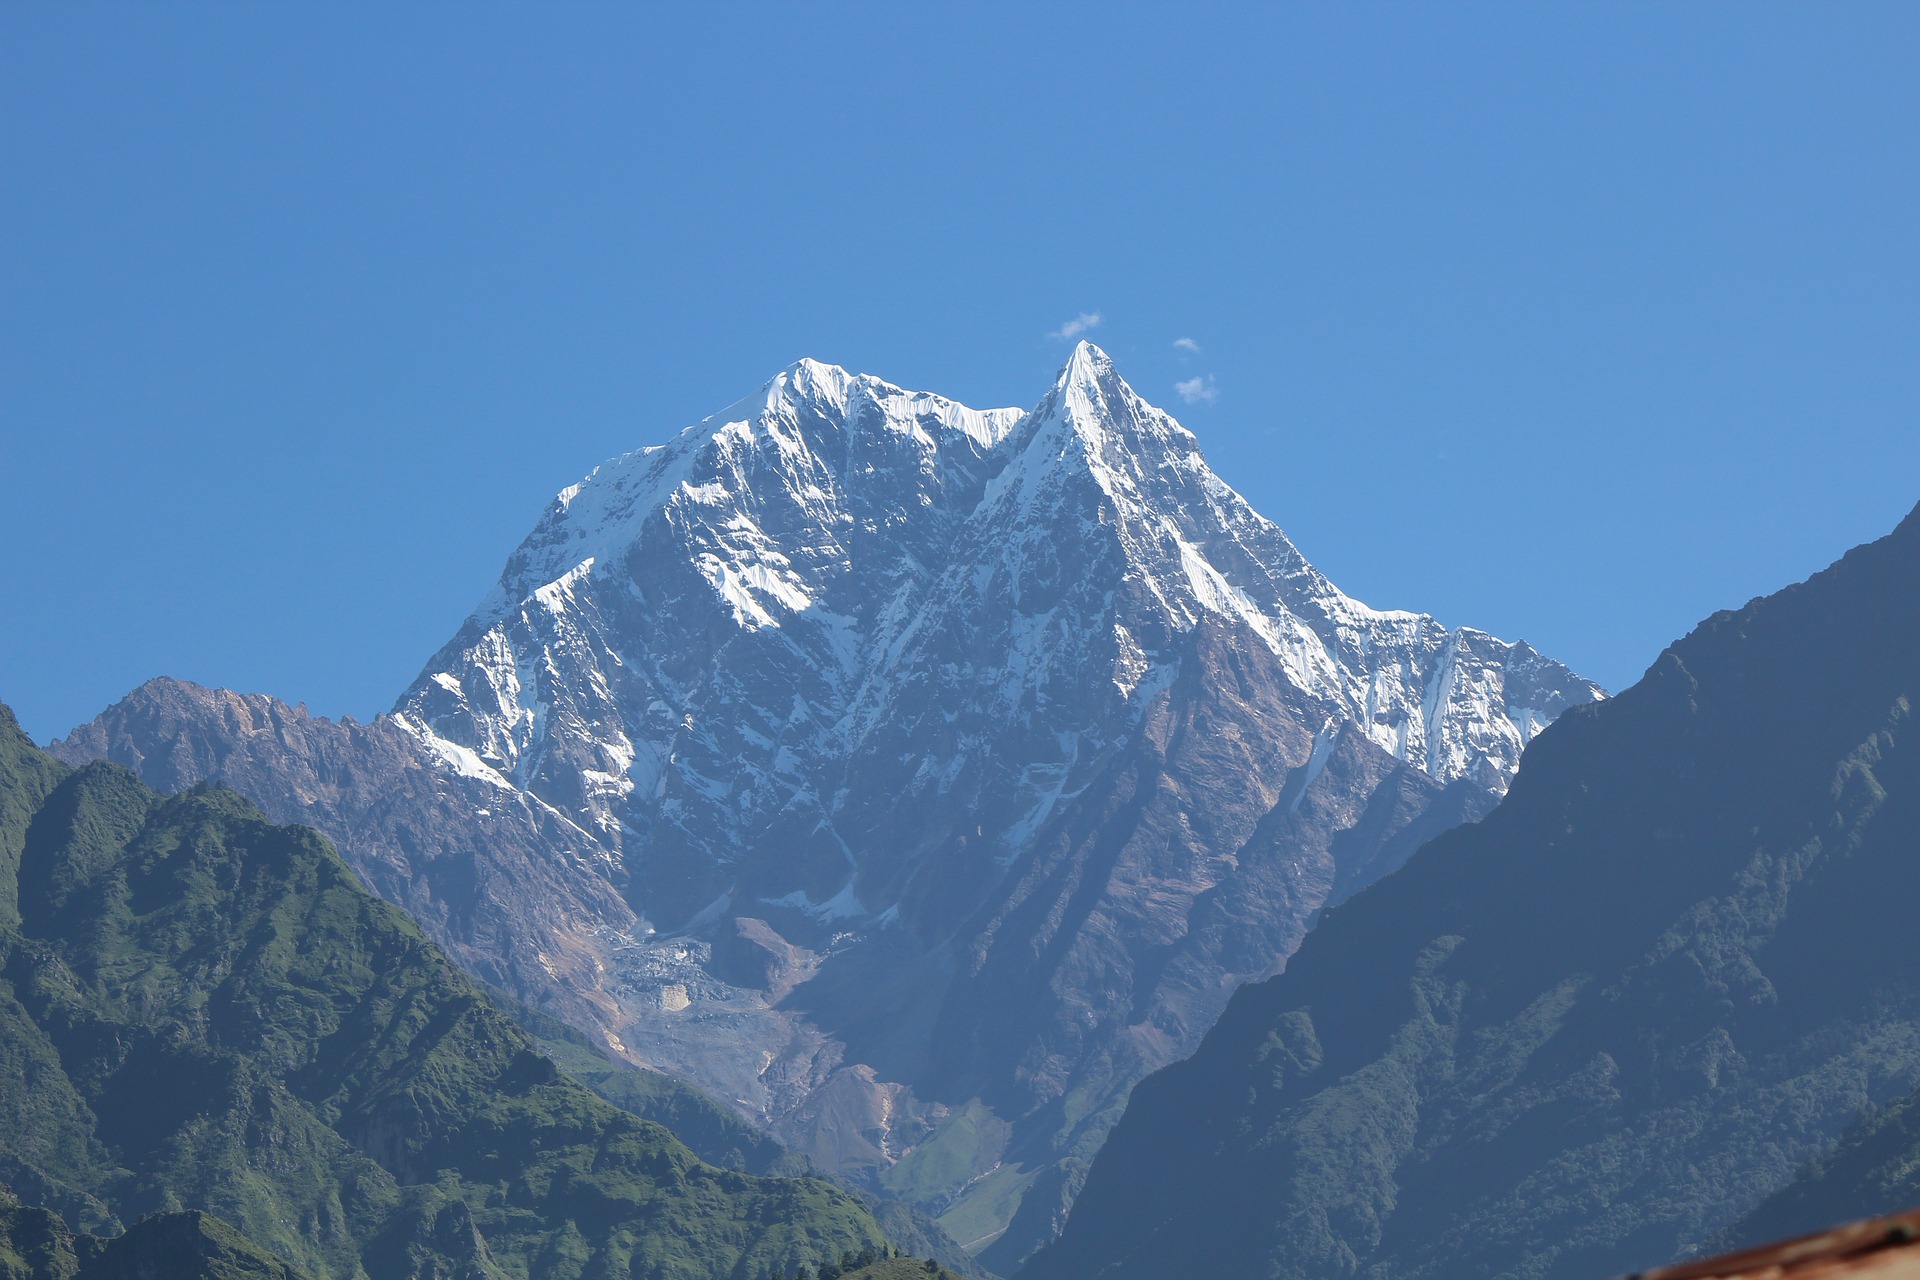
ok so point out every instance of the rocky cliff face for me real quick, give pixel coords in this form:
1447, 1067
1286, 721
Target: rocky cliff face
922, 777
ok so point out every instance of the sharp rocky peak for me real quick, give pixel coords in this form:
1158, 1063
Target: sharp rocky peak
881, 530
828, 404
1090, 395
842, 402
1084, 369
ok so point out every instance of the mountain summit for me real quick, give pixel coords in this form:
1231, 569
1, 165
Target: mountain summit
829, 536
843, 660
948, 769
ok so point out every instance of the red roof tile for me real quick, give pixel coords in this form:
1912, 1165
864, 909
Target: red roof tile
1877, 1249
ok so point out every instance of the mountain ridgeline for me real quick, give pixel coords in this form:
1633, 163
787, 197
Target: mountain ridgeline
1603, 1028
201, 1011
913, 778
37, 1244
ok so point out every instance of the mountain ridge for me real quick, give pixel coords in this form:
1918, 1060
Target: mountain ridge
849, 706
1592, 1031
200, 1008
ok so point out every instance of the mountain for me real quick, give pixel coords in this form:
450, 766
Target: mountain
199, 1009
1875, 1169
720, 1136
37, 1244
895, 1269
1594, 1030
511, 887
920, 778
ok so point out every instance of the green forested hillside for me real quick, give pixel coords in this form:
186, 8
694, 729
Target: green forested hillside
36, 1244
719, 1136
711, 1131
1592, 1032
200, 1010
866, 1266
1875, 1170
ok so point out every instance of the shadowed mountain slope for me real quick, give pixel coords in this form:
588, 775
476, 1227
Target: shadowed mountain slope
36, 1244
1874, 1170
1595, 1029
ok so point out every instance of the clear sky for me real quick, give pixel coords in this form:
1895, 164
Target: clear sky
1571, 322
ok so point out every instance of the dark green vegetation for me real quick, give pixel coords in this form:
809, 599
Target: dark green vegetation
1875, 1170
1598, 1028
35, 1244
867, 1267
715, 1134
719, 1136
200, 1010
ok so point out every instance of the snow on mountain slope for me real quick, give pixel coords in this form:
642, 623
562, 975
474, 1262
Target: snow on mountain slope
678, 639
881, 705
697, 631
1455, 703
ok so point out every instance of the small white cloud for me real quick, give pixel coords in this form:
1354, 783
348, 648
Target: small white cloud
1078, 325
1187, 345
1198, 390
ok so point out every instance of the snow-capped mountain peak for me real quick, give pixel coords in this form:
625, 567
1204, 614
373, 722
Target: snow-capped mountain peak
901, 555
1090, 393
885, 765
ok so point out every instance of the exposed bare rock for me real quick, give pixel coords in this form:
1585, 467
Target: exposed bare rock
512, 888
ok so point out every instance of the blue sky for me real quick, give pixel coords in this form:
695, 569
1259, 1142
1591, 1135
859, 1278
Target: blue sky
1570, 322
